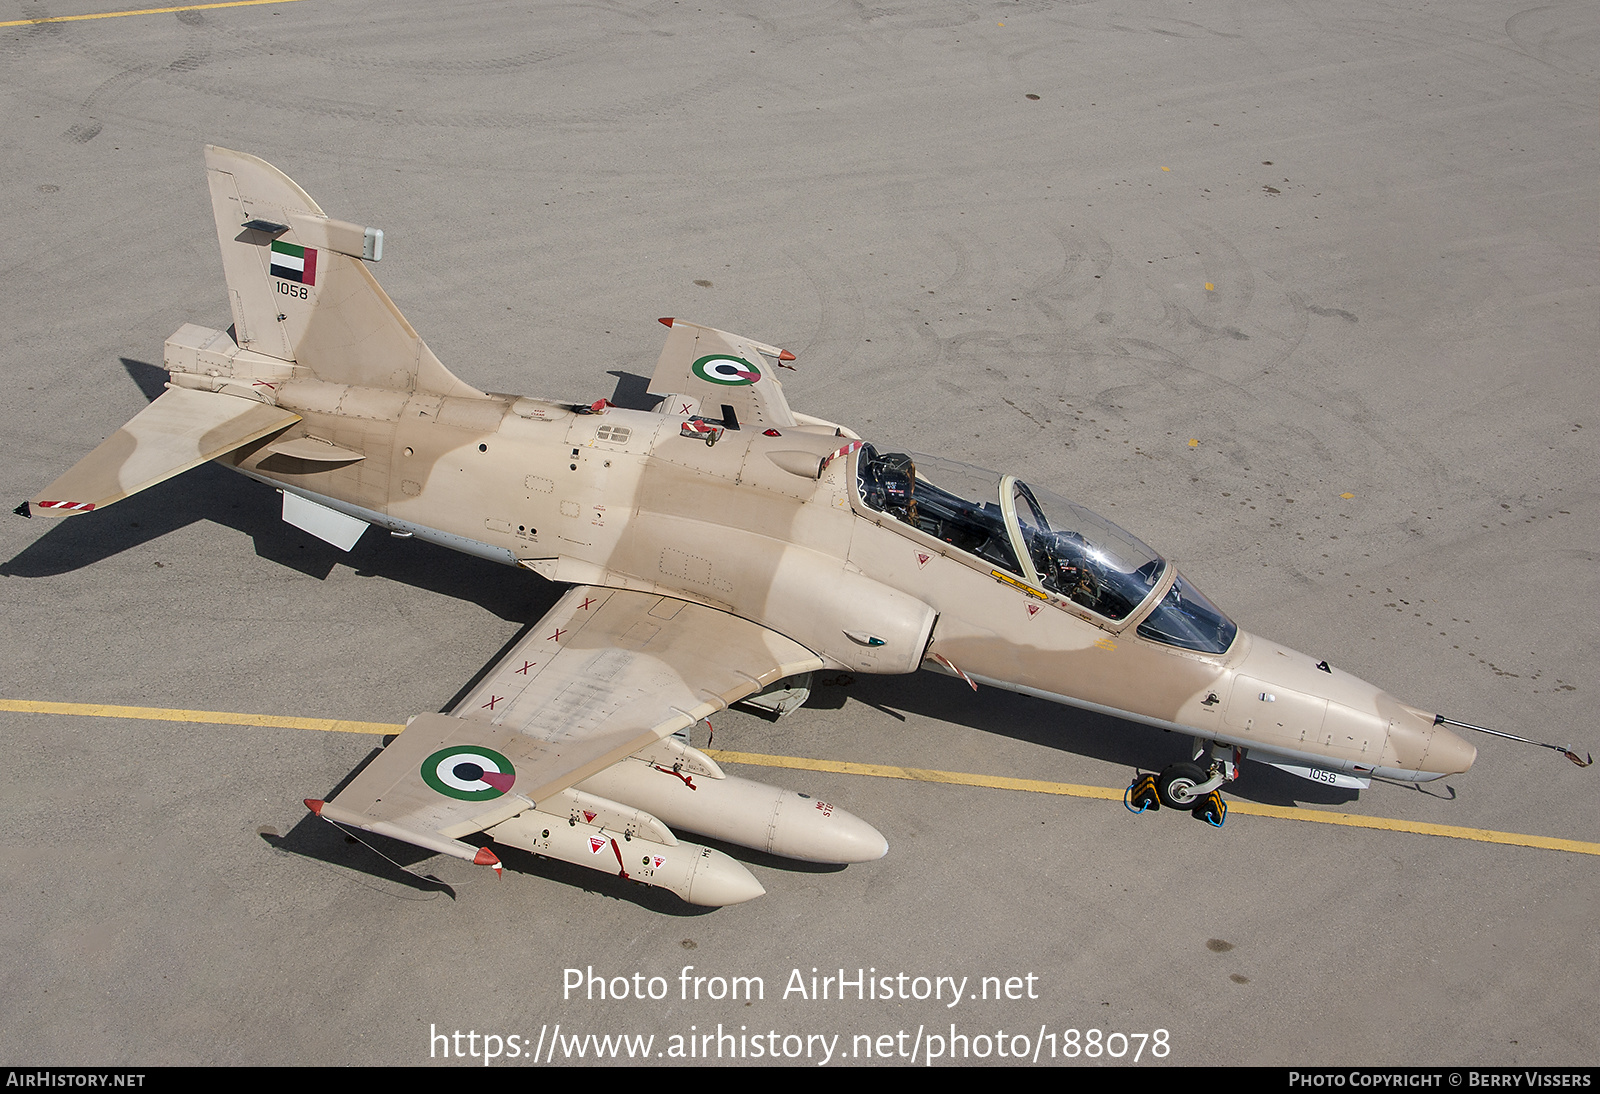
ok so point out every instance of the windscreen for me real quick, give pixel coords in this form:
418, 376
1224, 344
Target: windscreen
1187, 619
1082, 556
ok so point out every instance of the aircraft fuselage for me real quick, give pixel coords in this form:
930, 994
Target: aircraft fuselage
765, 525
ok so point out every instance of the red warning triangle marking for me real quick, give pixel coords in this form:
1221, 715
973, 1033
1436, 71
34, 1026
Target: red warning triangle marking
596, 844
1033, 609
922, 560
588, 816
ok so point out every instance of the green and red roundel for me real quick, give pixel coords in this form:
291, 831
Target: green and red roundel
471, 773
723, 368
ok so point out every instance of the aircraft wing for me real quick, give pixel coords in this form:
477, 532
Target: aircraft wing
604, 674
709, 369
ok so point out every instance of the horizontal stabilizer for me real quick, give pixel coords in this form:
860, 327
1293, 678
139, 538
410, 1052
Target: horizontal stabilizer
180, 430
313, 450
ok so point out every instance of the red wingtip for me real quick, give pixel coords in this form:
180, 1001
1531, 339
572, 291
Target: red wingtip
315, 805
599, 404
665, 321
486, 857
785, 355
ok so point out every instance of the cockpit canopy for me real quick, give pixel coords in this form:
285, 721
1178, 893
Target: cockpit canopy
1048, 541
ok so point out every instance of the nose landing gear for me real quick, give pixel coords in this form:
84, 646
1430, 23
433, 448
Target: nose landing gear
1181, 786
1188, 786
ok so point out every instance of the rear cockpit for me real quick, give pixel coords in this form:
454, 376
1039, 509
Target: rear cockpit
953, 503
1044, 541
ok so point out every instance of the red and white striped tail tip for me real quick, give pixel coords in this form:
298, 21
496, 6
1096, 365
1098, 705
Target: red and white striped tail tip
75, 506
486, 857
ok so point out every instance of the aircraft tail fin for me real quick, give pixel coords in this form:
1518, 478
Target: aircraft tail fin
707, 369
300, 289
183, 428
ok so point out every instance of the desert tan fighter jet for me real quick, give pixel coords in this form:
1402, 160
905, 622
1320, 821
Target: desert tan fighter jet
720, 547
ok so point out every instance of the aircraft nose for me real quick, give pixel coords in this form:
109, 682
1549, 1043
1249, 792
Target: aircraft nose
1421, 745
1448, 753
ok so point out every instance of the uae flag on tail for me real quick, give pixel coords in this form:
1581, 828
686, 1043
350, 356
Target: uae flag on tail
294, 263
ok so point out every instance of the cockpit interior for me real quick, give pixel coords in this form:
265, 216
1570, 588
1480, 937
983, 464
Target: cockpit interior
1042, 539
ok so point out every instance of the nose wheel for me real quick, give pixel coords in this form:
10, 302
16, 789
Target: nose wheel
1177, 786
1185, 786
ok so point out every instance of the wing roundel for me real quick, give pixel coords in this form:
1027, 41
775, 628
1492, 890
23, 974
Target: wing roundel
606, 673
713, 369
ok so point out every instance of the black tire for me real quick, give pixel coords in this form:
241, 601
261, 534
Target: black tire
1176, 785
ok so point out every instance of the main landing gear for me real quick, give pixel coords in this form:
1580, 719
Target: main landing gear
1189, 786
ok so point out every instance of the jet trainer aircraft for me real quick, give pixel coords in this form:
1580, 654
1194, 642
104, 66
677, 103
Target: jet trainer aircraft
721, 548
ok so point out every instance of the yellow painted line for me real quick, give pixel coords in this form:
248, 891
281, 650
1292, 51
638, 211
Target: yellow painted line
1036, 786
1422, 828
840, 767
142, 11
209, 717
916, 774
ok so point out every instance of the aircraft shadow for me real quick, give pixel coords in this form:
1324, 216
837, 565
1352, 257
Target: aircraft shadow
213, 493
633, 392
394, 862
752, 857
151, 379
365, 852
1070, 729
647, 897
376, 857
